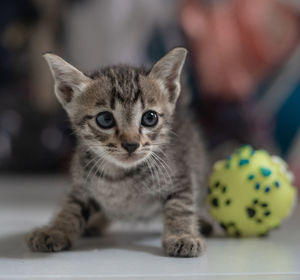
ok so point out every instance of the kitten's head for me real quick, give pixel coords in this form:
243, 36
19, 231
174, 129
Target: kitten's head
122, 113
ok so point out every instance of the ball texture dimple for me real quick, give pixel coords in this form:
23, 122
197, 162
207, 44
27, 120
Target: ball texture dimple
250, 192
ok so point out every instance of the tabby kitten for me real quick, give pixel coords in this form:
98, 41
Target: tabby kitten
136, 154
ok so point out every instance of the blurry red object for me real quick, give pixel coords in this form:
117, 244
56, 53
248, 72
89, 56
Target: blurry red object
296, 171
236, 43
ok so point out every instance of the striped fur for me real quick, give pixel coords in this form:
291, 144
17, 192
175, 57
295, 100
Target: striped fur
164, 175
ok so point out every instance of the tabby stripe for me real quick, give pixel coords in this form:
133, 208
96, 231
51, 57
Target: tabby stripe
110, 76
94, 205
138, 91
176, 214
85, 211
100, 103
113, 98
100, 136
83, 121
120, 97
117, 179
81, 220
142, 102
183, 196
177, 205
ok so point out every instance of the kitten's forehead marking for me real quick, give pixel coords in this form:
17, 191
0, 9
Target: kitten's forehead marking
100, 103
125, 85
128, 115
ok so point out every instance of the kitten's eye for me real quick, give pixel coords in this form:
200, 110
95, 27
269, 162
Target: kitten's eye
149, 118
105, 120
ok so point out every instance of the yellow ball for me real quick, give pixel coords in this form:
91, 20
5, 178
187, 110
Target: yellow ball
250, 192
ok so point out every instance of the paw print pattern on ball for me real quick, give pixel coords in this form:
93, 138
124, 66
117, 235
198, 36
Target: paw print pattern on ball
258, 211
259, 193
231, 229
263, 174
218, 195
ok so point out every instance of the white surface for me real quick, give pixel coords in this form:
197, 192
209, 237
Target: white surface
130, 253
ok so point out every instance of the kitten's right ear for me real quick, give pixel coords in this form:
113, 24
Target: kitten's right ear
168, 70
69, 81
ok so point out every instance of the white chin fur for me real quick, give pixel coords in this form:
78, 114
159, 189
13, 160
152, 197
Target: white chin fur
111, 159
125, 164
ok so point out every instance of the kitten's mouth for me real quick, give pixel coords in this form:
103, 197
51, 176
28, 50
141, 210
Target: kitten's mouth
127, 159
132, 157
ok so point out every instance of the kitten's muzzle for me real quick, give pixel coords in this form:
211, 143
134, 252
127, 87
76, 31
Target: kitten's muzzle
130, 147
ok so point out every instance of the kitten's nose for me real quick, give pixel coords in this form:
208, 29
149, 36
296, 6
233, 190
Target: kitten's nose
130, 147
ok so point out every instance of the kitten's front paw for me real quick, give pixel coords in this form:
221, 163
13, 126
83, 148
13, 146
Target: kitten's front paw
184, 246
48, 240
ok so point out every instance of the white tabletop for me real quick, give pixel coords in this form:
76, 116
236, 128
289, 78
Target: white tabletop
128, 252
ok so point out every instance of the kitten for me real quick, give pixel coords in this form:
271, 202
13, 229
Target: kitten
136, 156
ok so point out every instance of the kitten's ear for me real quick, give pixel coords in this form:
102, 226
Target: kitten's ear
69, 81
167, 71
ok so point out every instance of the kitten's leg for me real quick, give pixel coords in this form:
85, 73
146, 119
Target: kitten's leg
68, 224
181, 235
96, 225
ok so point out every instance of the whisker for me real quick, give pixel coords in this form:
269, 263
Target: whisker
158, 174
100, 168
152, 174
162, 160
99, 158
165, 166
174, 134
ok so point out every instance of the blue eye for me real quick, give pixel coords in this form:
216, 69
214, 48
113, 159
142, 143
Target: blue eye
105, 120
149, 119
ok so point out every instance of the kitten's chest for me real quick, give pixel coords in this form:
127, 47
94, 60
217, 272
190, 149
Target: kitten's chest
125, 200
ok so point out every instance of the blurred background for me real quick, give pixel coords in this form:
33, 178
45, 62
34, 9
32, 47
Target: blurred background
243, 70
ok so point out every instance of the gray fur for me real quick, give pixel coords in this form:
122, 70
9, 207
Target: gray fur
166, 174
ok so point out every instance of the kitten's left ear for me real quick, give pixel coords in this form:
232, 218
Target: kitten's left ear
167, 71
69, 81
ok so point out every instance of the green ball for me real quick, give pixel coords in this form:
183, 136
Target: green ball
250, 192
